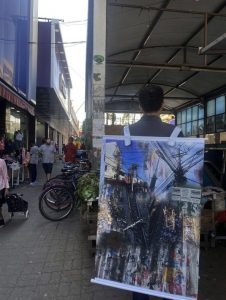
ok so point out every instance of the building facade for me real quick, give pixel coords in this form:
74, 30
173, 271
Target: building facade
53, 109
18, 64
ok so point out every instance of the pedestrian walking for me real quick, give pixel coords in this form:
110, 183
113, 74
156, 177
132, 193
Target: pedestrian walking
70, 151
34, 158
25, 154
4, 186
47, 151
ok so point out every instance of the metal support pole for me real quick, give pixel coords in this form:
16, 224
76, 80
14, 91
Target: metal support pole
98, 86
205, 35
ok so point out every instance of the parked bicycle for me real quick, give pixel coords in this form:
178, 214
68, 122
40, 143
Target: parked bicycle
58, 197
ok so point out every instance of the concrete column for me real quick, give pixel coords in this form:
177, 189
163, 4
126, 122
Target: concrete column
60, 143
98, 87
55, 136
46, 130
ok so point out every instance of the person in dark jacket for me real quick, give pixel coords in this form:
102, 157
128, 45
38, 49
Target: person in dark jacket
150, 124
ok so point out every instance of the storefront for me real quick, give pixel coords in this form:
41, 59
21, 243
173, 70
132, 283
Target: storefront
16, 113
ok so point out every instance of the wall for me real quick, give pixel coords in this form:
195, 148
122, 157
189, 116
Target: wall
14, 43
44, 54
50, 70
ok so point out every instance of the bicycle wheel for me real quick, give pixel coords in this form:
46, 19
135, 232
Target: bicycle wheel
56, 202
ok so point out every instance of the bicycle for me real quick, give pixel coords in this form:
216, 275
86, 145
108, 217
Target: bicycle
58, 197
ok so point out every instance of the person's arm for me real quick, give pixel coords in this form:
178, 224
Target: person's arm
4, 172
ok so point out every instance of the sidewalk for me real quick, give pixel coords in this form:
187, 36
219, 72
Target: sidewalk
40, 259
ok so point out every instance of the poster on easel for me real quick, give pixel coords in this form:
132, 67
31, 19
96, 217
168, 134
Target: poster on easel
148, 232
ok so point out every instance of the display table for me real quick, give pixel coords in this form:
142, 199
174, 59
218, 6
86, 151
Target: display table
15, 173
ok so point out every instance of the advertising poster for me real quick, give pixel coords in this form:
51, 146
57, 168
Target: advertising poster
149, 216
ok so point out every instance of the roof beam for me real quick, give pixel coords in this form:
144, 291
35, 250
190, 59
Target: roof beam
193, 34
164, 9
136, 97
166, 66
144, 40
153, 47
158, 83
192, 75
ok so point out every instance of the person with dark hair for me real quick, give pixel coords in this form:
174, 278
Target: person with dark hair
150, 124
70, 151
9, 147
48, 156
4, 186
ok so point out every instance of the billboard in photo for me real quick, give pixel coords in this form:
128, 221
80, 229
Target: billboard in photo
149, 216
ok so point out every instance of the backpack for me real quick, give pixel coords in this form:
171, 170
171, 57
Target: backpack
16, 203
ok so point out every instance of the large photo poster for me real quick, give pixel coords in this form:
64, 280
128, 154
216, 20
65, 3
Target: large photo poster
149, 216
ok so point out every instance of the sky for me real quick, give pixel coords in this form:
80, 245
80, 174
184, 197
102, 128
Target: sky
74, 27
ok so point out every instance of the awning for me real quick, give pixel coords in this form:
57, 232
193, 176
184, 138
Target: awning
158, 42
15, 99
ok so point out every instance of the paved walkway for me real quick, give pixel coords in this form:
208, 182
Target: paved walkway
40, 259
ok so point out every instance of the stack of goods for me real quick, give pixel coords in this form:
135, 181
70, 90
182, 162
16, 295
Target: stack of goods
214, 210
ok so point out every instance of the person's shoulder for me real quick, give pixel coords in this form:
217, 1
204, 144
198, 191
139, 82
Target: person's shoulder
171, 128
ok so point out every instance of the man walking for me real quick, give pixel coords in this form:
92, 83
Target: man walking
48, 155
70, 151
150, 124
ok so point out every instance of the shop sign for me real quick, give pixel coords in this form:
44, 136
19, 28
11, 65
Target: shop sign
16, 100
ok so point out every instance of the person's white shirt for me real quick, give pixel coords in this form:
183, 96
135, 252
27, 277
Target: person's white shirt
19, 136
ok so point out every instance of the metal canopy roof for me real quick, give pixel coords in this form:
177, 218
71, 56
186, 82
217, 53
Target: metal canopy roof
157, 42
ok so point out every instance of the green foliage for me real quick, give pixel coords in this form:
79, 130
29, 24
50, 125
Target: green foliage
88, 187
87, 130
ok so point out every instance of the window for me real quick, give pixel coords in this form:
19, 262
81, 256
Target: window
220, 122
220, 105
189, 115
194, 113
191, 120
188, 131
184, 116
201, 112
195, 128
210, 108
210, 125
183, 129
179, 118
216, 115
201, 126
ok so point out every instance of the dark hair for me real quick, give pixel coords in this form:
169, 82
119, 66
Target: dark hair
151, 98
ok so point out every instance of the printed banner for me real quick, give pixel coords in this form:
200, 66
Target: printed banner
149, 216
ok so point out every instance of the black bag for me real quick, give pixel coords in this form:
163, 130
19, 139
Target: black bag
16, 203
